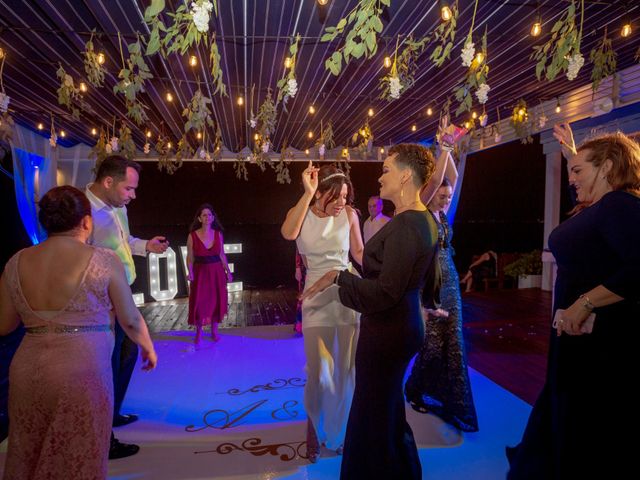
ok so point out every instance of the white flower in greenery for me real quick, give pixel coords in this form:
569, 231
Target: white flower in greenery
114, 144
253, 122
483, 93
200, 14
292, 87
4, 102
53, 140
265, 147
394, 87
542, 121
321, 150
468, 52
576, 61
147, 148
68, 80
483, 120
108, 149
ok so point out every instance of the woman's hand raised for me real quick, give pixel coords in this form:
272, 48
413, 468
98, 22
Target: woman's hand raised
310, 179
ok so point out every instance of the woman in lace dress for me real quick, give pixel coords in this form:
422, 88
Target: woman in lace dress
326, 230
61, 390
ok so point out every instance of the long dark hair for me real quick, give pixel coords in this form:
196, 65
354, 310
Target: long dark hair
333, 184
196, 224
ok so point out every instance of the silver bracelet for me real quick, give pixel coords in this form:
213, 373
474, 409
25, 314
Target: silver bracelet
587, 305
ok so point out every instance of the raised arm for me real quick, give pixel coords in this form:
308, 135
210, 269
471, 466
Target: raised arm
128, 315
356, 246
562, 132
293, 222
430, 189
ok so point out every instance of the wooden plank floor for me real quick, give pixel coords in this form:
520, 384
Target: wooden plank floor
506, 331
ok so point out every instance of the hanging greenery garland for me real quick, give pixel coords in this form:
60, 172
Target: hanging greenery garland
561, 53
68, 93
197, 112
281, 167
288, 85
401, 77
92, 66
475, 80
521, 122
445, 33
604, 61
240, 167
132, 77
126, 144
361, 40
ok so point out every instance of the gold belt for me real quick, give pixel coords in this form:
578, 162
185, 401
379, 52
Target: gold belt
68, 329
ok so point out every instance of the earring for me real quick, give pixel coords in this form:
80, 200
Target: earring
402, 190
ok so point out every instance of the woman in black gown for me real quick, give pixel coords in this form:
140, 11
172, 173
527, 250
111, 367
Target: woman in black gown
399, 265
587, 407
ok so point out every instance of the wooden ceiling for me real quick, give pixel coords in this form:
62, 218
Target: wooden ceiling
253, 38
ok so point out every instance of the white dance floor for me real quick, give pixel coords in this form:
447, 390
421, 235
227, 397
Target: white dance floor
233, 410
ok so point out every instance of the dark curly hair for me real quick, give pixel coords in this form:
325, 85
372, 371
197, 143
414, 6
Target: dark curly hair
416, 157
333, 184
62, 209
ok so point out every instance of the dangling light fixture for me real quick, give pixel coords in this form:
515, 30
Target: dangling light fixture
370, 112
558, 109
199, 135
256, 137
40, 126
310, 134
445, 10
626, 29
474, 115
312, 109
83, 87
169, 97
101, 58
240, 101
414, 127
479, 57
382, 150
323, 2
387, 62
169, 145
536, 28
193, 61
429, 111
306, 151
94, 132
287, 62
148, 133
63, 133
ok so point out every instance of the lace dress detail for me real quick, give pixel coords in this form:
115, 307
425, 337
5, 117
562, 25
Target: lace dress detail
61, 389
439, 380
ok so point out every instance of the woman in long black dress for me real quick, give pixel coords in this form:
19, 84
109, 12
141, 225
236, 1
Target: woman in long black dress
399, 262
587, 407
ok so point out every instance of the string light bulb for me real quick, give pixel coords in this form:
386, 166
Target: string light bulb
467, 124
323, 2
536, 28
558, 108
256, 137
40, 126
193, 61
382, 150
312, 109
148, 133
240, 101
474, 115
94, 132
626, 29
429, 111
310, 134
63, 133
370, 112
445, 11
169, 145
83, 87
306, 151
521, 112
169, 97
479, 57
287, 62
1, 53
414, 127
101, 58
387, 62
199, 135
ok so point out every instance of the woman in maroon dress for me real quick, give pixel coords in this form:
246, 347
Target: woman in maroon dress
208, 272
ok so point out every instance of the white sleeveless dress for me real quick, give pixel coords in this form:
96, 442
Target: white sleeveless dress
325, 244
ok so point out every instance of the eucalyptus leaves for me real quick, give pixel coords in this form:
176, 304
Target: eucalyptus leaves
288, 85
68, 92
132, 77
604, 61
401, 77
361, 39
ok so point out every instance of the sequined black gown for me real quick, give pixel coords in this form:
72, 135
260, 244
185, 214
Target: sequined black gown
439, 380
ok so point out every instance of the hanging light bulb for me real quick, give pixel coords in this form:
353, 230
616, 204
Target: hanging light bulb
521, 112
370, 112
40, 126
310, 134
101, 58
429, 111
536, 28
1, 53
240, 101
287, 62
626, 29
474, 115
169, 145
169, 97
467, 124
445, 11
94, 132
83, 87
256, 137
199, 135
558, 109
63, 133
323, 2
148, 133
193, 61
381, 150
387, 62
306, 151
312, 109
414, 127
